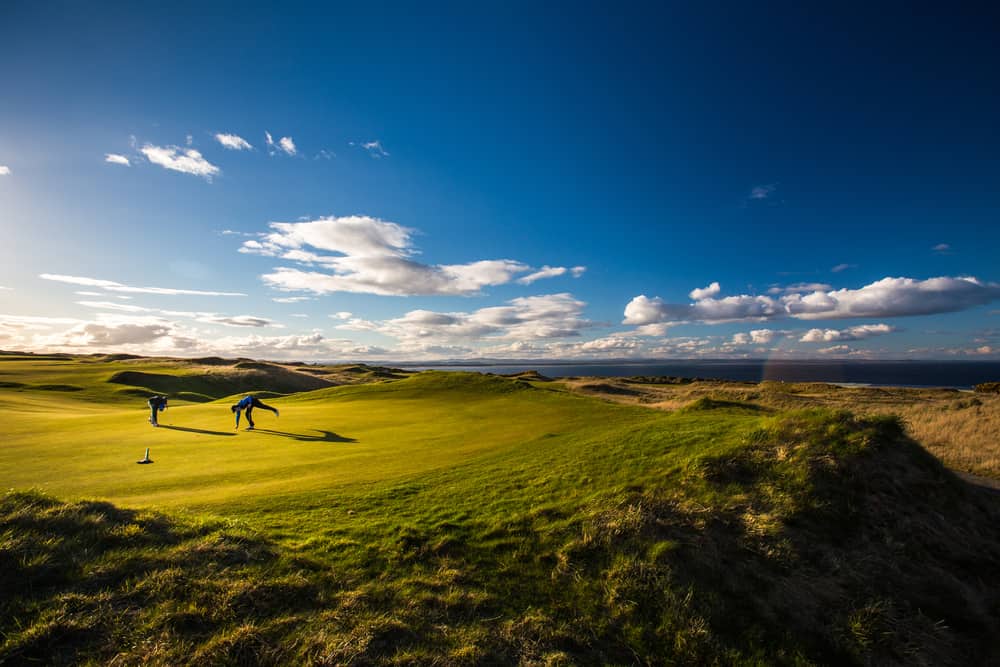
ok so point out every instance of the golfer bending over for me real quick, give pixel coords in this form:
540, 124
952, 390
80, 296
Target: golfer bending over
248, 403
156, 404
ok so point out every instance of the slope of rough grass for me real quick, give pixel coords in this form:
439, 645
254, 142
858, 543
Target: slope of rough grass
960, 428
464, 519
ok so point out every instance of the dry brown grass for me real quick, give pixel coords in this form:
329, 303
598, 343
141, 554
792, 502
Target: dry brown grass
961, 429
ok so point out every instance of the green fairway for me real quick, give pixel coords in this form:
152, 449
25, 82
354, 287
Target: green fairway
72, 445
459, 518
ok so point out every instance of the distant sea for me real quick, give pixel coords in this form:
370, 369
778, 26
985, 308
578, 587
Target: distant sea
956, 374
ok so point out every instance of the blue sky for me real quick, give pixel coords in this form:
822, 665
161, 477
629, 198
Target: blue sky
507, 181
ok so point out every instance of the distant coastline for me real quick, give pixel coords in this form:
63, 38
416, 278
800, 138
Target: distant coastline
903, 373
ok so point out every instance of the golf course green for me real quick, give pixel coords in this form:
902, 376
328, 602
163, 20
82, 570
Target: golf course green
458, 518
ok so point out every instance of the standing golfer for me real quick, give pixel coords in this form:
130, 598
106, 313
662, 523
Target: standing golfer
156, 404
248, 403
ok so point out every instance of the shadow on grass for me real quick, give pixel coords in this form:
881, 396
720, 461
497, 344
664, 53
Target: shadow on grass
195, 430
325, 436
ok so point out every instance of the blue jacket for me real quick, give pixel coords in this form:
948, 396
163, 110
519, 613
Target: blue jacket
244, 403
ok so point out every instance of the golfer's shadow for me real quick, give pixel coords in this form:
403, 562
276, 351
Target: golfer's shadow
325, 436
195, 430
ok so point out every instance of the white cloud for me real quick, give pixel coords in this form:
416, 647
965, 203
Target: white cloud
942, 249
153, 335
889, 297
115, 158
705, 292
34, 321
184, 160
763, 191
233, 142
835, 350
343, 315
799, 287
112, 286
367, 255
853, 333
297, 347
374, 148
895, 297
4, 170
207, 318
843, 267
756, 337
549, 316
544, 272
95, 334
655, 330
286, 144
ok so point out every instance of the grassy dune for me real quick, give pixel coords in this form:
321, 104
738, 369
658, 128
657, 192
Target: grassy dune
960, 428
454, 518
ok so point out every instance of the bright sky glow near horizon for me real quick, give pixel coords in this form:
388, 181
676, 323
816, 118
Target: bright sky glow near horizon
401, 182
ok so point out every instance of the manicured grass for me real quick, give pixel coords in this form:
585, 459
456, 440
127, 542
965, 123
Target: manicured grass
456, 518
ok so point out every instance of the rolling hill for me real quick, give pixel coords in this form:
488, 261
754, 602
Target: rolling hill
454, 518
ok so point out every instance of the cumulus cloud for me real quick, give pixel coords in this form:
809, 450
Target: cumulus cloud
4, 170
184, 160
549, 316
233, 142
115, 158
756, 337
91, 334
284, 144
367, 255
112, 286
942, 249
853, 333
705, 292
144, 334
895, 297
889, 297
343, 315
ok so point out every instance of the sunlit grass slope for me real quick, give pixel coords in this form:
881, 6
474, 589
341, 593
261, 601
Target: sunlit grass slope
463, 519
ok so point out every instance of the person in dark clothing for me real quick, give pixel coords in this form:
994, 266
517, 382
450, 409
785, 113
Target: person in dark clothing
248, 403
156, 404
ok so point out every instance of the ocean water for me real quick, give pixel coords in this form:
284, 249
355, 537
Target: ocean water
956, 374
